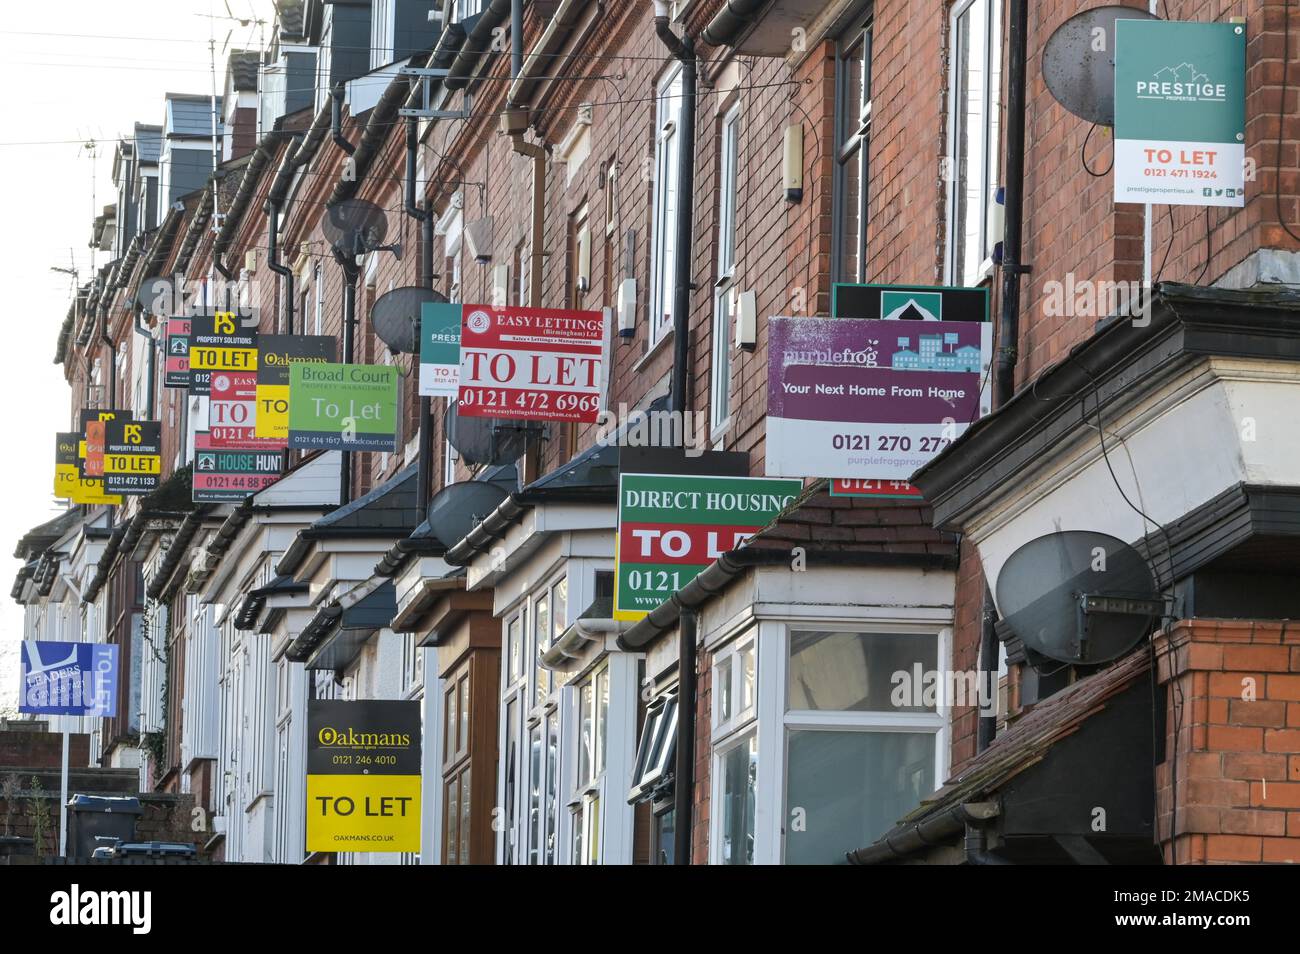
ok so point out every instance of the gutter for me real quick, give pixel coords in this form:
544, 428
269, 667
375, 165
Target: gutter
929, 832
257, 165
476, 44
569, 647
718, 575
731, 22
160, 589
561, 26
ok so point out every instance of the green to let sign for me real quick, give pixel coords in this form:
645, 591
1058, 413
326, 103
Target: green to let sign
670, 527
1180, 112
349, 407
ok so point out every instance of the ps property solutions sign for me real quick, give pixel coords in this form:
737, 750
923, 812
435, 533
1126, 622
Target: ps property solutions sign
363, 775
1180, 112
670, 528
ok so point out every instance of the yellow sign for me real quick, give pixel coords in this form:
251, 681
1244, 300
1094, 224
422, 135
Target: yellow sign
363, 775
272, 418
363, 813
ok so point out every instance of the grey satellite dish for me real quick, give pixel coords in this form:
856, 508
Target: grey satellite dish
157, 295
1079, 74
396, 317
484, 440
456, 509
1078, 597
355, 226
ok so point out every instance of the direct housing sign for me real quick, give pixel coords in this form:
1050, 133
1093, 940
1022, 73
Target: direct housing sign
363, 775
672, 527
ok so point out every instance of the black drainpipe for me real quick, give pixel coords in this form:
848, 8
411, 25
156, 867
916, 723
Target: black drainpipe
1004, 382
684, 769
336, 120
424, 469
683, 49
273, 261
112, 351
351, 272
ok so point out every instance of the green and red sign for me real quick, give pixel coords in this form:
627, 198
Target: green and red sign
671, 527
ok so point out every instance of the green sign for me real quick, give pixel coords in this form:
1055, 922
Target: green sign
440, 349
350, 407
671, 527
1180, 112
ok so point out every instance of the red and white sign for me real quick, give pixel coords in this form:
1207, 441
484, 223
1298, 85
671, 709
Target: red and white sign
531, 364
232, 413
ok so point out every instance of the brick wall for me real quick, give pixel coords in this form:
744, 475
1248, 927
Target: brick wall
1233, 742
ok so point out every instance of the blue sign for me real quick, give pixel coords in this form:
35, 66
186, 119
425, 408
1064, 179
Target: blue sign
68, 679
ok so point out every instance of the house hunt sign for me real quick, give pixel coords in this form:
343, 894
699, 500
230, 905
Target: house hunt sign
1180, 112
671, 527
363, 775
871, 399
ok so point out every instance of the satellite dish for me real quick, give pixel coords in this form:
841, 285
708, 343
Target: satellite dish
157, 296
1080, 76
1078, 597
485, 440
396, 317
458, 508
355, 225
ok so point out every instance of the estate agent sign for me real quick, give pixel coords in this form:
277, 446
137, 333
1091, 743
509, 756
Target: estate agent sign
1180, 112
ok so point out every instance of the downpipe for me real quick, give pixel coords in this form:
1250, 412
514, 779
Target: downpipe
424, 467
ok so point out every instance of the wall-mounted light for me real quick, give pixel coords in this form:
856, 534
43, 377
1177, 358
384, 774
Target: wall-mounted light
792, 163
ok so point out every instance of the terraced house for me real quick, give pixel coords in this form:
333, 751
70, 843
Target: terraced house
693, 169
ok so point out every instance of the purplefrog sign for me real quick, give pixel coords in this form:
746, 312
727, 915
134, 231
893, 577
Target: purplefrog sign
73, 679
871, 399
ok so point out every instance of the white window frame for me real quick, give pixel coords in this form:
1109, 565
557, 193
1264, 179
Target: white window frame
724, 296
771, 722
663, 232
318, 293
980, 199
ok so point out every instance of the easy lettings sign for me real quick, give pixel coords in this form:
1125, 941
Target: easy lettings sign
349, 407
363, 776
1180, 112
672, 527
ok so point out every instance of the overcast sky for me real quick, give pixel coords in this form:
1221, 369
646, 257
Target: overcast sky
73, 71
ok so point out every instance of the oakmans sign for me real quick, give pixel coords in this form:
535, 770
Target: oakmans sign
363, 776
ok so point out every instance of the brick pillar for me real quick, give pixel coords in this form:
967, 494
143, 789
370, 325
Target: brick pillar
1233, 723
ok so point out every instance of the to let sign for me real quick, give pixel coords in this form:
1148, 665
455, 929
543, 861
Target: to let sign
132, 456
531, 364
176, 373
72, 679
1180, 112
222, 341
349, 407
232, 412
221, 474
671, 527
363, 775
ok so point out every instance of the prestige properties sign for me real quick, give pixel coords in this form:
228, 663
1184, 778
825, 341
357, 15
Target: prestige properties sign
363, 776
1180, 112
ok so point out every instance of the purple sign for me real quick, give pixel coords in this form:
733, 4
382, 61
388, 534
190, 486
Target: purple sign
71, 679
871, 398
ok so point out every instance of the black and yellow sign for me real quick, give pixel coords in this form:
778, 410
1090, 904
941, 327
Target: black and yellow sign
274, 354
68, 482
221, 341
132, 456
363, 776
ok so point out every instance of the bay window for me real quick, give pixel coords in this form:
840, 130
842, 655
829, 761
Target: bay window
822, 738
725, 289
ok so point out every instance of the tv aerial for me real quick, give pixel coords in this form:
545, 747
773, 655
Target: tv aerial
396, 316
1078, 597
1079, 62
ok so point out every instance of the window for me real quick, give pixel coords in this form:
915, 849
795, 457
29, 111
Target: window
449, 458
852, 128
531, 735
859, 754
725, 290
668, 106
318, 290
520, 285
735, 751
972, 164
657, 749
593, 721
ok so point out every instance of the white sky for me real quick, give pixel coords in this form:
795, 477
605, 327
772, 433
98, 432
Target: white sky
72, 71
